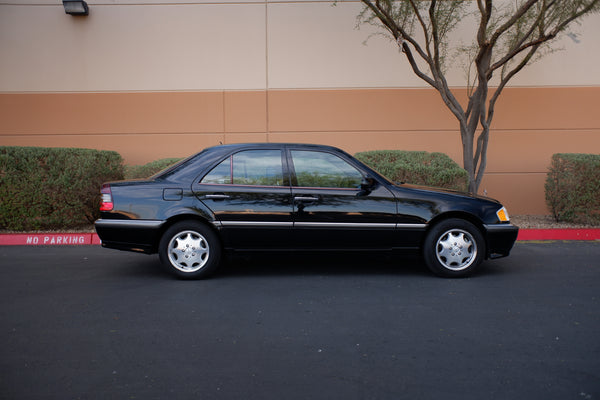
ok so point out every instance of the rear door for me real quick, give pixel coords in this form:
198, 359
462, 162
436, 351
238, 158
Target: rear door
250, 196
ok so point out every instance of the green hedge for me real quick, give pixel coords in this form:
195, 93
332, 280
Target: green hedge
573, 188
417, 167
147, 170
53, 188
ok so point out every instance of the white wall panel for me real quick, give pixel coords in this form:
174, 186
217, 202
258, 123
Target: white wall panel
575, 61
153, 45
314, 45
133, 47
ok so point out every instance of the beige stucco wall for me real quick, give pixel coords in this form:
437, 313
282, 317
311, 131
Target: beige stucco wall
156, 78
133, 45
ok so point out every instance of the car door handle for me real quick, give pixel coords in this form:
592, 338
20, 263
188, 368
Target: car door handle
217, 196
300, 199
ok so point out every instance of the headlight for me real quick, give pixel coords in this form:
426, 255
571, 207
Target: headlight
503, 215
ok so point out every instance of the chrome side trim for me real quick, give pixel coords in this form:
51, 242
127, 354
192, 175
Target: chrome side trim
342, 225
254, 223
130, 223
306, 198
411, 226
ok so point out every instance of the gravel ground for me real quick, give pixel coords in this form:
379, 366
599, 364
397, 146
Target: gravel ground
543, 222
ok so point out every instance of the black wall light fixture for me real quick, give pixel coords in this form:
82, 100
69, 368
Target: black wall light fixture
76, 7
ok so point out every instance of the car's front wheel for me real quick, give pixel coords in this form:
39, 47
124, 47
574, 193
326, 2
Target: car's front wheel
190, 250
453, 248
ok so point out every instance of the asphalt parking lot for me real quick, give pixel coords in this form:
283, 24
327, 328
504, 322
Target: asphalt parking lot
83, 322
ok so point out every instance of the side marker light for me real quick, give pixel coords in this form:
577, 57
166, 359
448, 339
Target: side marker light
503, 215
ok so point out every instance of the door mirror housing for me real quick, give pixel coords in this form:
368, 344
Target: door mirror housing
367, 183
366, 186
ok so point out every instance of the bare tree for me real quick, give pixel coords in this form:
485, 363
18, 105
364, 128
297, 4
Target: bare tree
509, 35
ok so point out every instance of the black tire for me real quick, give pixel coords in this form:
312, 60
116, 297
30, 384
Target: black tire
454, 248
190, 250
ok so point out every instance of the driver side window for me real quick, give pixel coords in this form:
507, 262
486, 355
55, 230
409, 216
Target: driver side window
320, 169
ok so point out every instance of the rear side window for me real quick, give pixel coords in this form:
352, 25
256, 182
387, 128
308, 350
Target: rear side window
250, 167
319, 169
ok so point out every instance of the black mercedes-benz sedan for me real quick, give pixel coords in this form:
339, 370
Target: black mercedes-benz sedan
295, 197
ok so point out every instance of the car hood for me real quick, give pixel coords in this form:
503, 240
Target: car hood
455, 193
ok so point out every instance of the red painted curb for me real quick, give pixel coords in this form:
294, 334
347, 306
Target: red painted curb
559, 234
48, 239
76, 239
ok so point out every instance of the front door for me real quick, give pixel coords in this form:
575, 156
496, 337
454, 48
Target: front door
332, 211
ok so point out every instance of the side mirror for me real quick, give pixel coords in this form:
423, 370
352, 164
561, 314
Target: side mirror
367, 183
366, 186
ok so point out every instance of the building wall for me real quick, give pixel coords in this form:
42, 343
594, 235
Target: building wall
154, 79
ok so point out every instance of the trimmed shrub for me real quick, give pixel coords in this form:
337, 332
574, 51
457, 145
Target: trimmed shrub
573, 188
147, 170
53, 188
417, 167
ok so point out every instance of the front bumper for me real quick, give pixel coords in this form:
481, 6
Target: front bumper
500, 238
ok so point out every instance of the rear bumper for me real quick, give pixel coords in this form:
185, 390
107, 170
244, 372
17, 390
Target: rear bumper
500, 239
129, 234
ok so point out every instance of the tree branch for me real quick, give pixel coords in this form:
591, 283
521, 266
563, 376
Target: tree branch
415, 67
435, 37
423, 27
513, 20
522, 45
396, 30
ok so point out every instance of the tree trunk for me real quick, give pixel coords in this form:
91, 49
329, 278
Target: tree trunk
468, 161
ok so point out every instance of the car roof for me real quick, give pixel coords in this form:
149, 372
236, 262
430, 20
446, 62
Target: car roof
271, 144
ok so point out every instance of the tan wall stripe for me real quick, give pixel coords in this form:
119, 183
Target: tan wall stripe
530, 126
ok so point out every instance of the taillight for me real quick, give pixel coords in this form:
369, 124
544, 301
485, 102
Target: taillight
106, 203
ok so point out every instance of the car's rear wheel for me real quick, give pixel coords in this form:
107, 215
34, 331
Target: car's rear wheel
190, 250
454, 248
